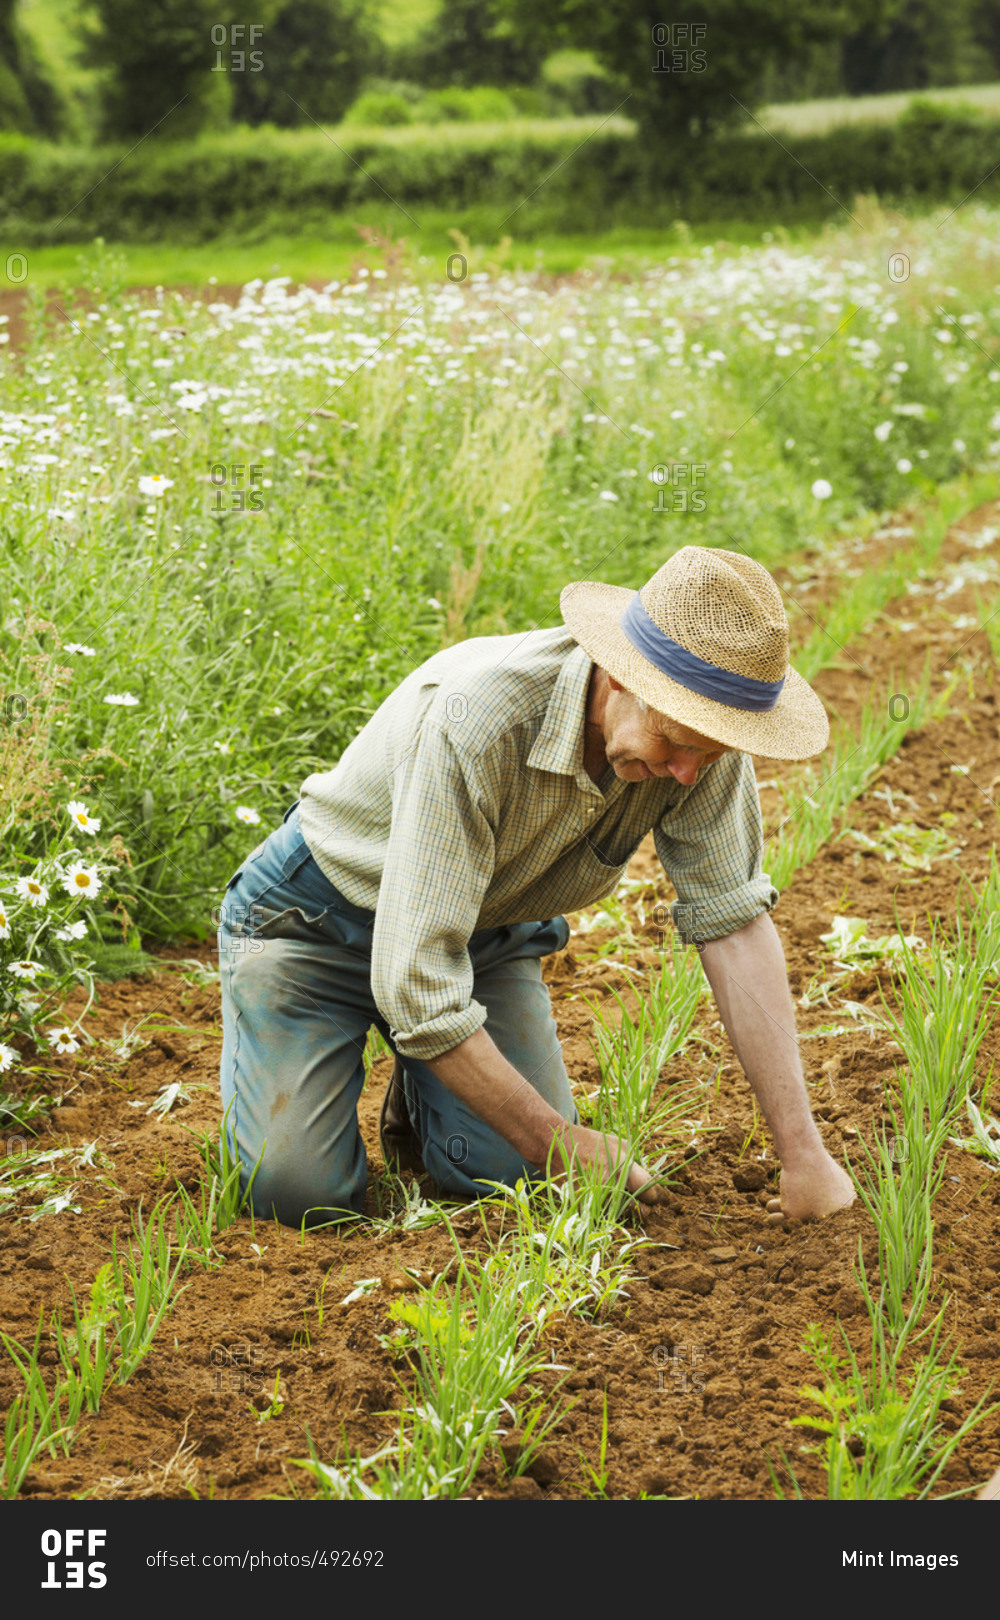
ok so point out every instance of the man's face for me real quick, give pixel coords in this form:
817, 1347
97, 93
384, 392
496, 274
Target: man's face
640, 745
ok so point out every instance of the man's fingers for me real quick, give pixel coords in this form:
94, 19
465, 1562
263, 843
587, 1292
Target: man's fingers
641, 1183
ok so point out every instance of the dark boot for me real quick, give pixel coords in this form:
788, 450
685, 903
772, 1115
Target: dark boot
399, 1141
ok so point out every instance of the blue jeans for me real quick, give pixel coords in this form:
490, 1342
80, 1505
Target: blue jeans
295, 960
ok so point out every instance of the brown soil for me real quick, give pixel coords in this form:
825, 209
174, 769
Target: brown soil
702, 1366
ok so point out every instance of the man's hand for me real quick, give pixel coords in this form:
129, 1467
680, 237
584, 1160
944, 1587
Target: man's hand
608, 1153
810, 1193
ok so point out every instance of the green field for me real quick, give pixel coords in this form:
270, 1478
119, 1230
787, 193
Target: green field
314, 260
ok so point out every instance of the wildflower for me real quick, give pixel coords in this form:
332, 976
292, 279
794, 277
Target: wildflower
63, 1040
821, 489
607, 495
23, 970
223, 747
958, 445
904, 466
8, 1057
78, 647
81, 879
4, 925
882, 431
73, 930
125, 699
30, 889
244, 813
88, 823
433, 602
155, 484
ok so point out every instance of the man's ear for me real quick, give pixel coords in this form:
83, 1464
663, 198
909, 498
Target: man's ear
616, 686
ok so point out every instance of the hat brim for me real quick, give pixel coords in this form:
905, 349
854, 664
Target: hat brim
798, 726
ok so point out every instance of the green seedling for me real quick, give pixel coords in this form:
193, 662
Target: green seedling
883, 1437
418, 1321
917, 848
41, 1411
31, 1424
851, 948
143, 1289
276, 1405
985, 1138
599, 1476
85, 1351
566, 1248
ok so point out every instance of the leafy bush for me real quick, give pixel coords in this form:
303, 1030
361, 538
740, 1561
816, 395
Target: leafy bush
380, 109
257, 181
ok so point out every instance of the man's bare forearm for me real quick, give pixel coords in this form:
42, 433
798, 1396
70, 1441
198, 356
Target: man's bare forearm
749, 980
477, 1072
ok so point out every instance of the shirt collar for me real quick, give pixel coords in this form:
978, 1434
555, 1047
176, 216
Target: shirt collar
559, 744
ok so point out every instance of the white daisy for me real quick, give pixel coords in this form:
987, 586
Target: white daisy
607, 495
155, 484
73, 930
822, 490
125, 699
81, 879
882, 431
8, 1057
78, 647
24, 970
63, 1040
29, 888
4, 925
82, 817
244, 813
903, 465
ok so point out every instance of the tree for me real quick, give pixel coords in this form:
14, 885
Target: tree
907, 45
160, 65
468, 43
680, 80
314, 55
29, 101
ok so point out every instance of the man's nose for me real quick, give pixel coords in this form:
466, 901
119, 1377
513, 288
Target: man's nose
685, 769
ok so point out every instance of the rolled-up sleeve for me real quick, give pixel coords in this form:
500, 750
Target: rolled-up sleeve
439, 861
711, 847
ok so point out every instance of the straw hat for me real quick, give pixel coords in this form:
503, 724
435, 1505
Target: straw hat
705, 641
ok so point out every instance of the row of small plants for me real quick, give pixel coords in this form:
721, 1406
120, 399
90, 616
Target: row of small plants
881, 1402
114, 1327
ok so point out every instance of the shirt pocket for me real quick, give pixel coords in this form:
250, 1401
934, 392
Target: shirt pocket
585, 876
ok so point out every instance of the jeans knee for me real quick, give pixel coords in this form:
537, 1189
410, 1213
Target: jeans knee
297, 1193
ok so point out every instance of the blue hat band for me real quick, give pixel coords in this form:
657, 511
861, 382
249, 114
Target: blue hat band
692, 672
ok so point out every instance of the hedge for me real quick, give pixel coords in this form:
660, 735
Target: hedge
557, 175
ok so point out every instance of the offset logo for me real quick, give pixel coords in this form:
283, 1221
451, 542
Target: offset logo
66, 1566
